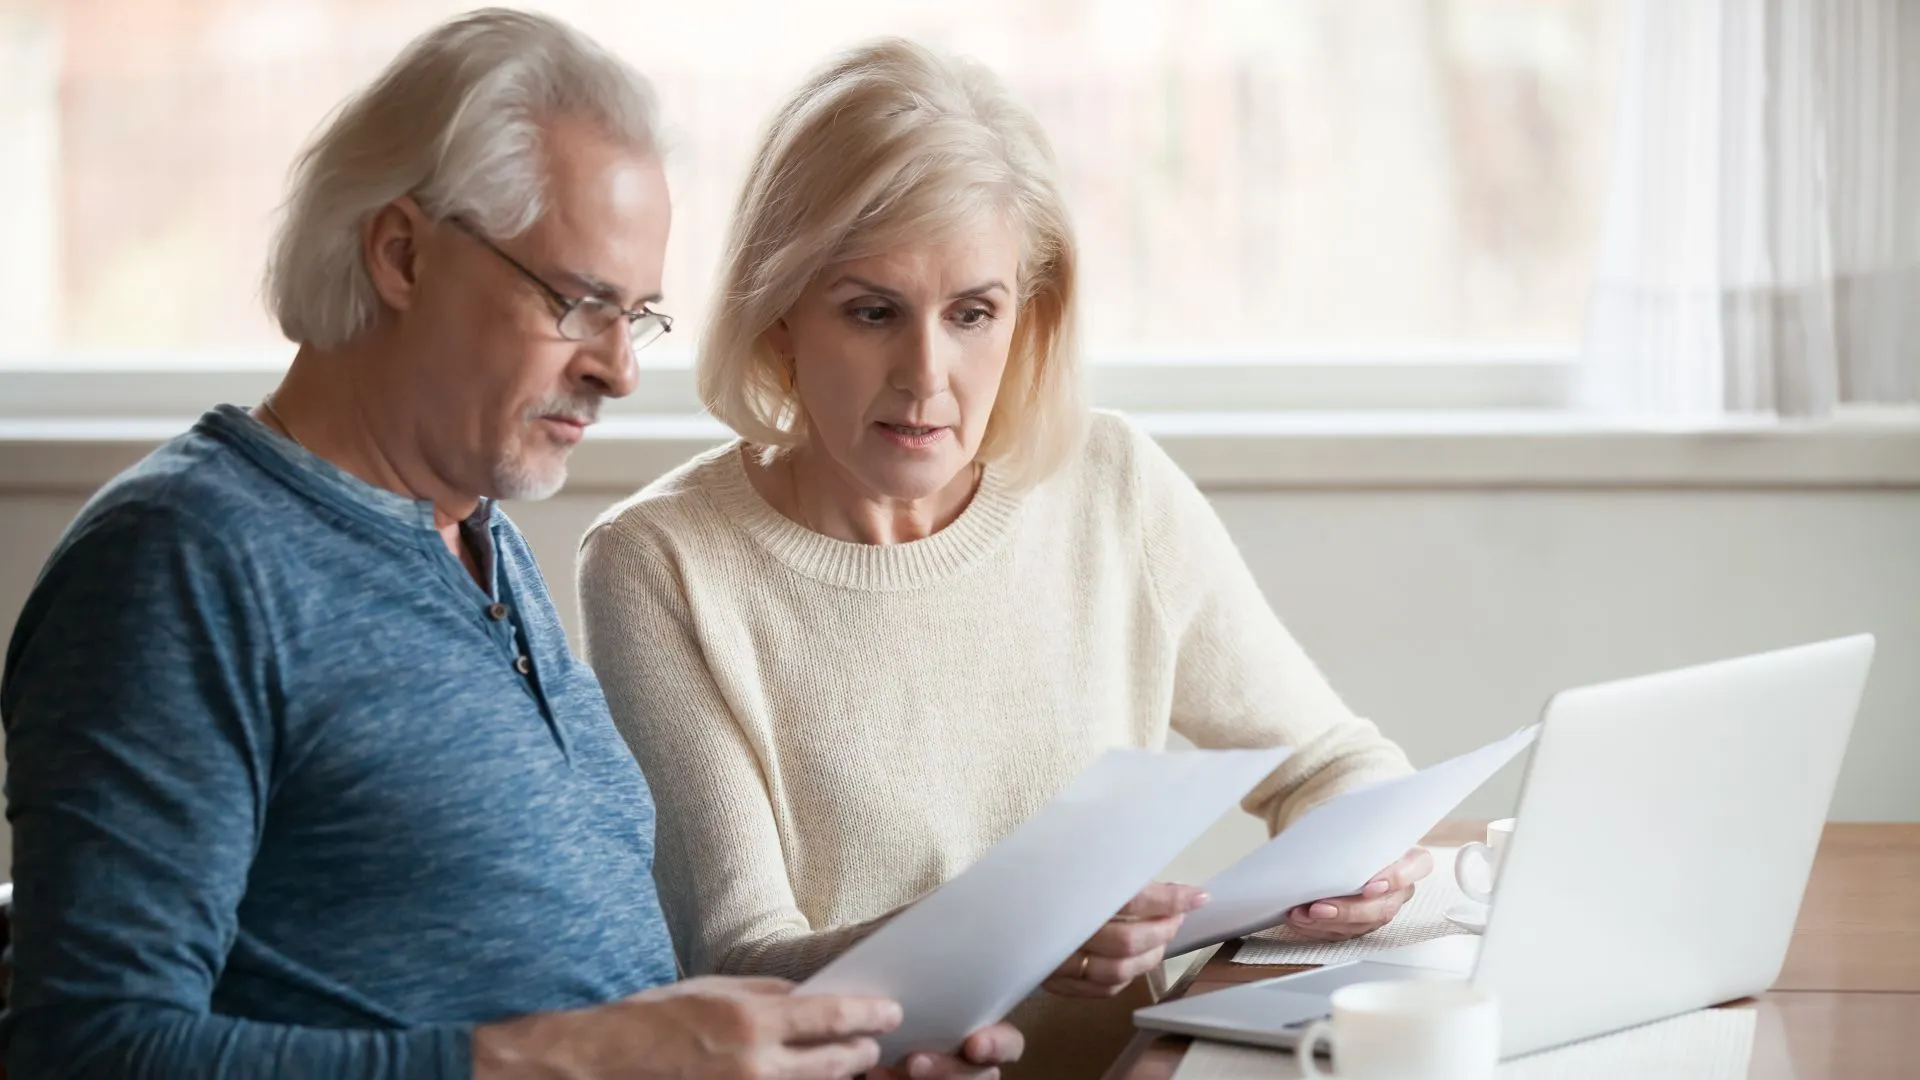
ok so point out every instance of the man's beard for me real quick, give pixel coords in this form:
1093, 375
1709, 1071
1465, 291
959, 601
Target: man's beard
525, 473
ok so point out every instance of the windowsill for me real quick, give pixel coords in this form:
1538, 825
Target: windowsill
136, 385
1479, 449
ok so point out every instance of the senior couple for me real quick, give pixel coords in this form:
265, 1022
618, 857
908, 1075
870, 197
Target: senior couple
303, 777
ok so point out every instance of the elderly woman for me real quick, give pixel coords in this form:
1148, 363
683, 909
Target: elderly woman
926, 586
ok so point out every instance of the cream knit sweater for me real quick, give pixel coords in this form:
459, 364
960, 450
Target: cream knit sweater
831, 730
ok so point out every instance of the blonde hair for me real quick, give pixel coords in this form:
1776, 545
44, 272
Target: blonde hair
891, 144
456, 121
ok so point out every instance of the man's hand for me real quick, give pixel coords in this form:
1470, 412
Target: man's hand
979, 1059
701, 1029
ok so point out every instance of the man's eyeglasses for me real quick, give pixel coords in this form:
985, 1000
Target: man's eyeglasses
583, 318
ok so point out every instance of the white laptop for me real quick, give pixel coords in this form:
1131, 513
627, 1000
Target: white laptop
1665, 832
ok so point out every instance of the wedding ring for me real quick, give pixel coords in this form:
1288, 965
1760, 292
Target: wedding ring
1086, 961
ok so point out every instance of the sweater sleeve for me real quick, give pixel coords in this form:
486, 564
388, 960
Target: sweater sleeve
1240, 679
719, 861
139, 767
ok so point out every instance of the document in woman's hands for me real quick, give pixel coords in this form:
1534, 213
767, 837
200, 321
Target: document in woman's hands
966, 953
1333, 849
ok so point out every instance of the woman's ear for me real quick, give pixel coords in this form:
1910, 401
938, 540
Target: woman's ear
779, 338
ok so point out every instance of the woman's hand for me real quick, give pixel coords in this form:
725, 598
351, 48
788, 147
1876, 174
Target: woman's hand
1132, 943
1343, 917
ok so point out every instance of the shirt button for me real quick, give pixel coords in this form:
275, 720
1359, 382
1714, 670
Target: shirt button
523, 665
497, 612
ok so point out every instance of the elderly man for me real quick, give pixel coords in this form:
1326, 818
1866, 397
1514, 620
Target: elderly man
303, 778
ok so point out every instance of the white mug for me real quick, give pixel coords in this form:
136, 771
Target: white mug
1419, 1029
1487, 857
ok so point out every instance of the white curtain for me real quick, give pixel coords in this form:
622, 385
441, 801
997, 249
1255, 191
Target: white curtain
1761, 249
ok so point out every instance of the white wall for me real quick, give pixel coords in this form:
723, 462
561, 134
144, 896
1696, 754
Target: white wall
1450, 615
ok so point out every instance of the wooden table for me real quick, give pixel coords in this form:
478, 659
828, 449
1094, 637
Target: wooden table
1848, 1001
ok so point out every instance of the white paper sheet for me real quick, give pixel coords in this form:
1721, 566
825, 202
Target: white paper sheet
966, 953
1335, 848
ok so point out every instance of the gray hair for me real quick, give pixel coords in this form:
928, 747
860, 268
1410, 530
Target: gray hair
456, 122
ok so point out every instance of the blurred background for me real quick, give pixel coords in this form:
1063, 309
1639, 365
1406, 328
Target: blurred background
1520, 343
1245, 173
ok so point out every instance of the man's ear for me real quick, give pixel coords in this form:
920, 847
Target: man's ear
393, 244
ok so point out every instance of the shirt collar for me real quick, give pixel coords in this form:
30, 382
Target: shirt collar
323, 480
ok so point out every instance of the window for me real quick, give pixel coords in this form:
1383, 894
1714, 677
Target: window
1251, 179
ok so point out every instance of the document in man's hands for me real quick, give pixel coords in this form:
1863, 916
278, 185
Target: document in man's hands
968, 952
1336, 848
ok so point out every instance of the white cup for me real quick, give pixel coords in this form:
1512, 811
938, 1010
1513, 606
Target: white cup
1486, 857
1419, 1029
